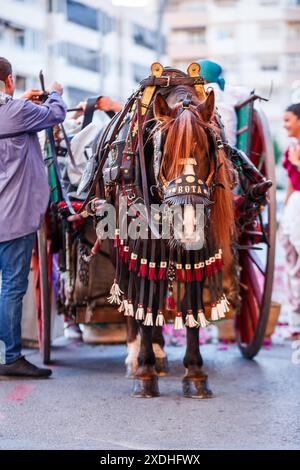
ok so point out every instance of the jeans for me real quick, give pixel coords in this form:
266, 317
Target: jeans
15, 258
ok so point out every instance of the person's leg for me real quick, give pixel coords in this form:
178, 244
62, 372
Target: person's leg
15, 257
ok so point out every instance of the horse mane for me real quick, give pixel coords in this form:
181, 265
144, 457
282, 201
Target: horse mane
185, 136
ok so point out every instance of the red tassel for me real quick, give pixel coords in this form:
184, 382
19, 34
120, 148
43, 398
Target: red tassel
188, 273
143, 268
179, 273
208, 268
121, 250
219, 260
213, 265
162, 270
198, 272
133, 262
126, 254
152, 271
202, 269
117, 238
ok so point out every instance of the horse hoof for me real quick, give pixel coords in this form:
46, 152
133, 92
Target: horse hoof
162, 366
145, 388
196, 388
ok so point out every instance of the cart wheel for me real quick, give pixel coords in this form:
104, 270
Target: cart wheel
42, 265
257, 266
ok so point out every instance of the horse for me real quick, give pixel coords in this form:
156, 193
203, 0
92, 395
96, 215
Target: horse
165, 149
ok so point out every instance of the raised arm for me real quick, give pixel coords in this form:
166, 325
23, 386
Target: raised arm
35, 118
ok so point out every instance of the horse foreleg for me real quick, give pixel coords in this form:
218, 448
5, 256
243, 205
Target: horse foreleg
146, 379
158, 343
133, 346
194, 382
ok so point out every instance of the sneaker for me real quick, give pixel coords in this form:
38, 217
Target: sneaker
21, 368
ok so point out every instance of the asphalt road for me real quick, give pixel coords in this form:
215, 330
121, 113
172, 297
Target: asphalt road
87, 403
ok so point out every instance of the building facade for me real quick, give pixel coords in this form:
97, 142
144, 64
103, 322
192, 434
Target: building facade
90, 46
257, 42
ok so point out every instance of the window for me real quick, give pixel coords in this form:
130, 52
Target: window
56, 6
293, 62
82, 14
78, 94
106, 23
190, 36
144, 37
269, 65
226, 33
77, 56
268, 31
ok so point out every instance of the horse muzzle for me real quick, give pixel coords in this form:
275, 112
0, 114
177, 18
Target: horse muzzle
189, 199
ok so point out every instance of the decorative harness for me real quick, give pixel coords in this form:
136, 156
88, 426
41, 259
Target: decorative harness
155, 267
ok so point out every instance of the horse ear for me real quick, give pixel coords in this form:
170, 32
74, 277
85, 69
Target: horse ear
207, 107
161, 107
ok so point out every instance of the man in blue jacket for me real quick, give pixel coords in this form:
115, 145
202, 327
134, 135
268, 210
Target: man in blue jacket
24, 196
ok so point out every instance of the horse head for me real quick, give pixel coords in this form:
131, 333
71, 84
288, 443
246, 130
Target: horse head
193, 170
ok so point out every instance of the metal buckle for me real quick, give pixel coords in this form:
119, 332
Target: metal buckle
168, 77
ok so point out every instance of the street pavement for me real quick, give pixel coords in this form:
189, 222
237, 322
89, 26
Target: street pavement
87, 403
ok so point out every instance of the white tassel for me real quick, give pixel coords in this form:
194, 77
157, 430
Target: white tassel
140, 313
149, 318
226, 300
115, 294
201, 319
220, 310
122, 306
129, 312
225, 306
160, 319
190, 321
214, 313
178, 324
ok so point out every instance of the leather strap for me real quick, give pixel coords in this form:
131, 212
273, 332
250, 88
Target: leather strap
166, 81
67, 142
64, 193
143, 168
116, 122
90, 109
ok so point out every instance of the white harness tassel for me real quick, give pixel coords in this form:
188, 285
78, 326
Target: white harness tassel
220, 309
129, 312
115, 294
214, 316
149, 318
190, 320
201, 319
178, 324
160, 319
140, 313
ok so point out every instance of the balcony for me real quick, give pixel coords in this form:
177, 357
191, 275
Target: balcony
186, 19
186, 52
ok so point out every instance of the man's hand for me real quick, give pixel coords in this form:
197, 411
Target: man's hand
107, 104
81, 108
56, 87
32, 95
